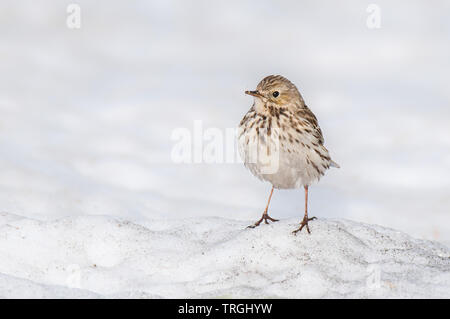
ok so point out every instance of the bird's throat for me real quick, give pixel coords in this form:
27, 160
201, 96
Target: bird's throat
260, 106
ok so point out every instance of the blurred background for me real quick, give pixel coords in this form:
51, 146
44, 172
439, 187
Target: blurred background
87, 115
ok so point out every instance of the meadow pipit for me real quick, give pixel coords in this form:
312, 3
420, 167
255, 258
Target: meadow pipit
281, 142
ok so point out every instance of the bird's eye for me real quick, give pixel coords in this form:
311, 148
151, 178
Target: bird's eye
275, 94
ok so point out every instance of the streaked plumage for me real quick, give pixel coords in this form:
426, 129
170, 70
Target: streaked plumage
280, 139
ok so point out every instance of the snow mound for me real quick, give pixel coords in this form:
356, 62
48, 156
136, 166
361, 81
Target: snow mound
101, 256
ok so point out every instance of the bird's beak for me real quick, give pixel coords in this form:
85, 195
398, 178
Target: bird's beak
253, 93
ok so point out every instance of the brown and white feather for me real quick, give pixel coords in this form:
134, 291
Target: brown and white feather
298, 151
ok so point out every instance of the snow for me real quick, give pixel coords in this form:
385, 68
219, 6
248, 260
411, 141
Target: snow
86, 124
105, 257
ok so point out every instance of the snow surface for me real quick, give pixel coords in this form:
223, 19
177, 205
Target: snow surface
100, 256
87, 116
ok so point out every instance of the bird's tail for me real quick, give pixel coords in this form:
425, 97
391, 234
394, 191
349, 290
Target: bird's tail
334, 164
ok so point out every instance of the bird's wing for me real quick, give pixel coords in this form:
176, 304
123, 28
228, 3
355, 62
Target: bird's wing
306, 114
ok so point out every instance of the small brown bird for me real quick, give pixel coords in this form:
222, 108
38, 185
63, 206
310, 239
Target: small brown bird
280, 141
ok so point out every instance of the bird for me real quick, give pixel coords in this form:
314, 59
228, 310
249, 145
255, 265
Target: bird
280, 142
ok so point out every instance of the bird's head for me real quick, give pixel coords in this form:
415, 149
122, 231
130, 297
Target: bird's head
277, 91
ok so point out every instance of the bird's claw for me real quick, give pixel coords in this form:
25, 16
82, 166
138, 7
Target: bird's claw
303, 224
264, 217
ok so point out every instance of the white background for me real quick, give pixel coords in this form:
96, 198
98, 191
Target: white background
86, 116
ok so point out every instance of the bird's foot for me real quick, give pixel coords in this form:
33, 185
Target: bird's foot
303, 224
265, 217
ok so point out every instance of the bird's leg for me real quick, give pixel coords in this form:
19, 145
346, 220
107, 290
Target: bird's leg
305, 218
265, 216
